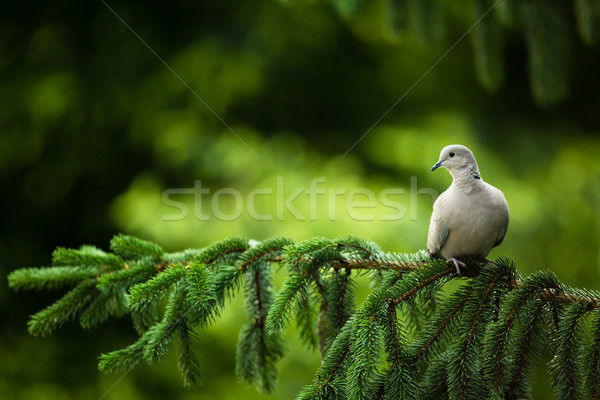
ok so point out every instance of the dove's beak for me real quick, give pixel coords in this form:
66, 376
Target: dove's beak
437, 165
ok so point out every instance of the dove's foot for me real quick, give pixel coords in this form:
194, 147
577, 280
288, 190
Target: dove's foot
457, 263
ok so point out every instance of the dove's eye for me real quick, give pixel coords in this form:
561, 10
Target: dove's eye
452, 154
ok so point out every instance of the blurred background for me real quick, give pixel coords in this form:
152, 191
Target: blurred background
94, 129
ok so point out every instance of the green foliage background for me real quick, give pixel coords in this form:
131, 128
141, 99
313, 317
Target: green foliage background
93, 129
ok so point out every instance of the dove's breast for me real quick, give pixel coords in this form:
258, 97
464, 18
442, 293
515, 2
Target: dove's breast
475, 221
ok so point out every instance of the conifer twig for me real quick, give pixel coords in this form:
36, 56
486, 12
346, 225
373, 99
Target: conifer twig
472, 337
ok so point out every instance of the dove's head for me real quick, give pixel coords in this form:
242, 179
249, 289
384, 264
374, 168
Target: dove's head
459, 161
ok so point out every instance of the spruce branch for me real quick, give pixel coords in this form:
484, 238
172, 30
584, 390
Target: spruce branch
487, 45
411, 338
393, 342
587, 13
48, 278
308, 322
526, 350
340, 300
365, 348
546, 32
123, 360
399, 382
499, 333
132, 247
101, 308
55, 315
86, 255
593, 375
258, 349
545, 26
435, 380
441, 325
141, 321
328, 379
464, 377
149, 292
188, 362
507, 12
566, 369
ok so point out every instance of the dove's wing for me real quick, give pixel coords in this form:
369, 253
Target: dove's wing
502, 231
438, 231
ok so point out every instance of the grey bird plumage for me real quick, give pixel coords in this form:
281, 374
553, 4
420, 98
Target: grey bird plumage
471, 216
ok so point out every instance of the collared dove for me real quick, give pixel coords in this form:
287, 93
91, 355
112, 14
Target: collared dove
471, 216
